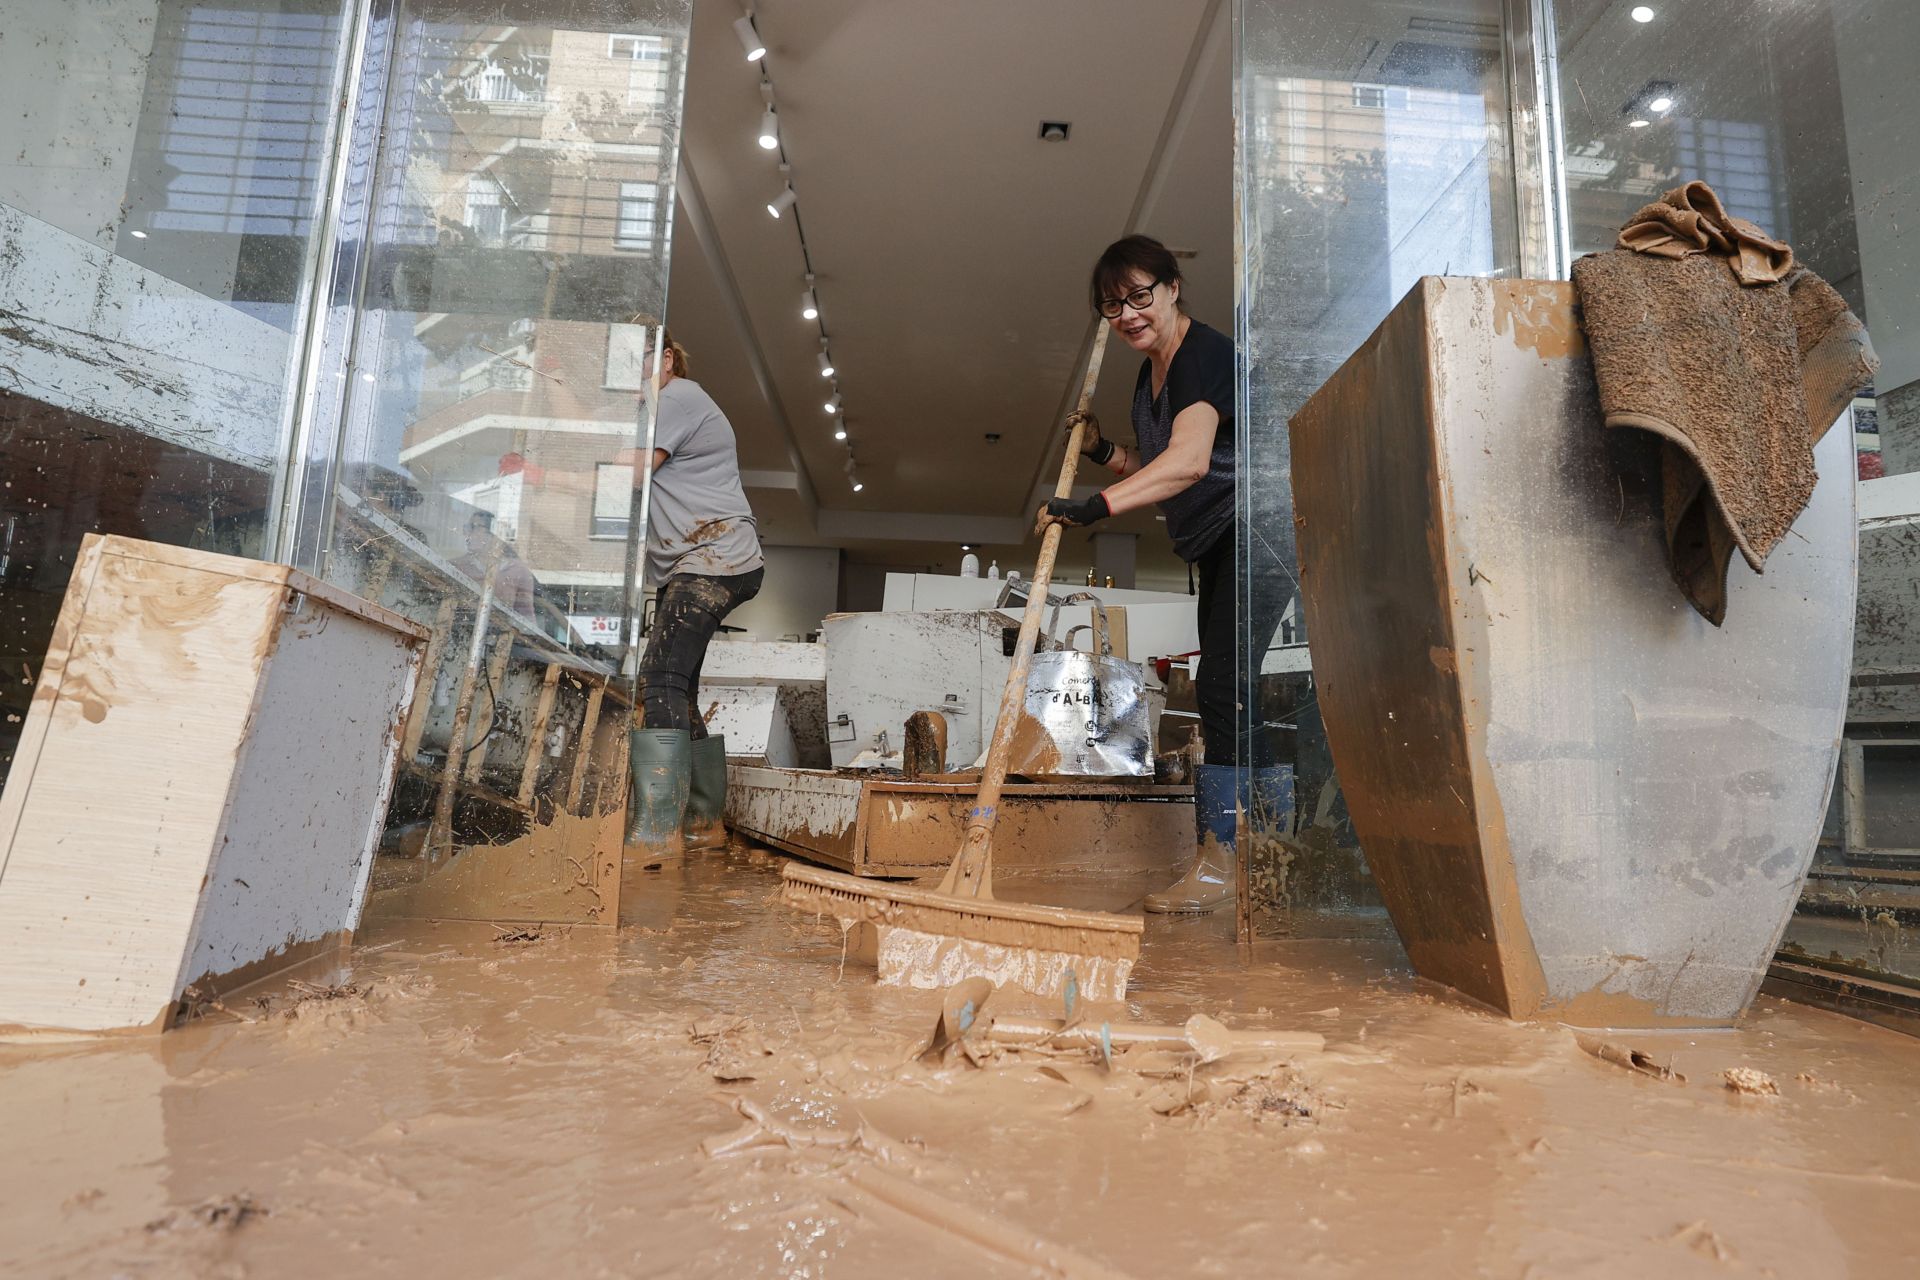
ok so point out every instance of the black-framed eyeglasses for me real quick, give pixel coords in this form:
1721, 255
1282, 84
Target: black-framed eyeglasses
1139, 300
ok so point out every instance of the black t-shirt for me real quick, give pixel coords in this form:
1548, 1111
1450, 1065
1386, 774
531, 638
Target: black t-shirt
1202, 372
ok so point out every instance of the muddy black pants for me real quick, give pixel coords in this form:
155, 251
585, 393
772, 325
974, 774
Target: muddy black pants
686, 616
1226, 677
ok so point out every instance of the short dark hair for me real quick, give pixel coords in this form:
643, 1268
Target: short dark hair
1113, 274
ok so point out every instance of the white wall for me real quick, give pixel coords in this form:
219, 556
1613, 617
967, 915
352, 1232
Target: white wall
802, 587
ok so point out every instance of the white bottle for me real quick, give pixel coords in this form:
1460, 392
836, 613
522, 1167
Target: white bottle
993, 571
970, 565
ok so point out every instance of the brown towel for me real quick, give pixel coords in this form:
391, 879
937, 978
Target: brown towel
1836, 356
1690, 219
1738, 380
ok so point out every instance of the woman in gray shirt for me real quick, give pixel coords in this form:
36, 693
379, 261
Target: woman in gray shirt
703, 556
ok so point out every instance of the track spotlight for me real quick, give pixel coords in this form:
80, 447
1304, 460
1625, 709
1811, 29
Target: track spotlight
833, 405
826, 366
857, 486
840, 433
809, 306
749, 39
782, 202
769, 129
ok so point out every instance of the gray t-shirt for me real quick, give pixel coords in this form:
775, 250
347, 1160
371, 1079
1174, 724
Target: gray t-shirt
700, 521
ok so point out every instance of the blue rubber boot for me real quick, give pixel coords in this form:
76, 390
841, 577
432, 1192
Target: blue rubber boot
1219, 792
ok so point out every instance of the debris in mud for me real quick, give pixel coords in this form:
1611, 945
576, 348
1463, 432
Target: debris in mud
222, 1213
331, 1001
1285, 1099
519, 935
1704, 1240
304, 992
1813, 1081
734, 1048
763, 1130
83, 1199
196, 1004
1632, 1059
1281, 1096
1746, 1080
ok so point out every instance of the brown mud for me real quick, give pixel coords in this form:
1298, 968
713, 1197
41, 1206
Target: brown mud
719, 1091
555, 872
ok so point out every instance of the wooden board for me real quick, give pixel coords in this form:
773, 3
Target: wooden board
170, 818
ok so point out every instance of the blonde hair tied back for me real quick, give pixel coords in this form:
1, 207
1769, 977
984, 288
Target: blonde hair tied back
681, 367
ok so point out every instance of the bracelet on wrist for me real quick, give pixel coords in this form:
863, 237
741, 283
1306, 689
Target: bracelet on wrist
1102, 452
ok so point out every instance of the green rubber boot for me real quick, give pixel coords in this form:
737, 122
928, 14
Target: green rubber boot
706, 823
661, 763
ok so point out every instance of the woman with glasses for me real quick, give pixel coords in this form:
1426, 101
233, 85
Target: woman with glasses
1184, 463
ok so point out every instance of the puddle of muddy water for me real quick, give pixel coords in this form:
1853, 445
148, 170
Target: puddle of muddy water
710, 1094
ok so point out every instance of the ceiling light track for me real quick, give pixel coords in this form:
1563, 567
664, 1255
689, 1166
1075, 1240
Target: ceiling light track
785, 204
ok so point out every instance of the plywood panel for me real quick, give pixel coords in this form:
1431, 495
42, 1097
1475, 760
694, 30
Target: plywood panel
203, 771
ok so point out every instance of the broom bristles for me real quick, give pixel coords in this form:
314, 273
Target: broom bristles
932, 940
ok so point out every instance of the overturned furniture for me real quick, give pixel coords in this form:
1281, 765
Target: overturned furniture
202, 779
1580, 799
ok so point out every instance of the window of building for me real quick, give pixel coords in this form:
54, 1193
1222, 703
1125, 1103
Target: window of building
1372, 97
245, 119
612, 499
486, 207
647, 77
638, 223
522, 80
636, 47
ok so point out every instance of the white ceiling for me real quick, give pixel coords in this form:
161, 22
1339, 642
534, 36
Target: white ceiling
952, 247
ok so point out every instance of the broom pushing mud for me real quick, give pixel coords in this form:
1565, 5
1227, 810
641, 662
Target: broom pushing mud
934, 938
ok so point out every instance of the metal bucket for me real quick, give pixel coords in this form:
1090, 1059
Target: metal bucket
1086, 713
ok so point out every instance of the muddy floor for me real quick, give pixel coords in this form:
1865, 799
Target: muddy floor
712, 1094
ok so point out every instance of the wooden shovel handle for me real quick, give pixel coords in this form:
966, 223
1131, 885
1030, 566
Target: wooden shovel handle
971, 874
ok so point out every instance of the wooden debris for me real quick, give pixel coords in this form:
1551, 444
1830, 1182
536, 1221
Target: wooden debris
222, 1213
1632, 1059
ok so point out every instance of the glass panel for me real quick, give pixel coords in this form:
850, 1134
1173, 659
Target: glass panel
1372, 152
479, 476
1797, 115
162, 164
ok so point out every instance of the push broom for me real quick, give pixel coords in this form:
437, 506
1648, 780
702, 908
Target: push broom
933, 938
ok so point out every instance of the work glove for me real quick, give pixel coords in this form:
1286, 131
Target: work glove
1092, 445
1067, 511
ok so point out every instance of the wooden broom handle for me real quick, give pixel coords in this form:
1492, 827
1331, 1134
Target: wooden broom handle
971, 874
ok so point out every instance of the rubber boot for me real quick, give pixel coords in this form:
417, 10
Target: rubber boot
1219, 792
661, 763
706, 822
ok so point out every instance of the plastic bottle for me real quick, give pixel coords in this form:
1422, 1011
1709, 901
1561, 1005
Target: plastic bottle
993, 571
970, 565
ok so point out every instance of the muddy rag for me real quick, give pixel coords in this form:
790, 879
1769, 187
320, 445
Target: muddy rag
1705, 332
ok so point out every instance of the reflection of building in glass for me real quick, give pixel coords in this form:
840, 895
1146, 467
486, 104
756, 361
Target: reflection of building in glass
523, 225
1377, 179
